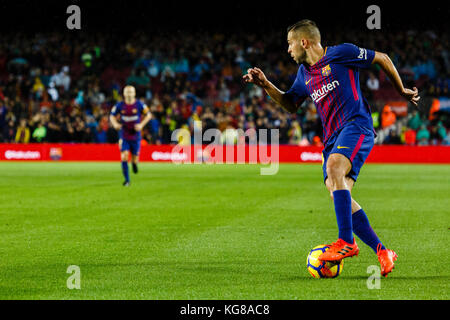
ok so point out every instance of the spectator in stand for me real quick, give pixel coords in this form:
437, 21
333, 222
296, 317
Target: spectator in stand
414, 121
284, 132
65, 78
87, 59
388, 117
18, 108
224, 92
53, 92
153, 69
229, 136
295, 134
373, 84
423, 136
446, 141
311, 118
132, 78
376, 117
8, 131
410, 137
55, 78
438, 133
442, 132
392, 138
45, 78
102, 130
317, 142
91, 126
425, 67
38, 88
23, 132
40, 133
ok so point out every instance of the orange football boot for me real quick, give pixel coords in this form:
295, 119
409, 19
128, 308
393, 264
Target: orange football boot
386, 258
340, 250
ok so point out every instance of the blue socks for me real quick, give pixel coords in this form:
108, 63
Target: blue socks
357, 223
343, 208
362, 228
125, 171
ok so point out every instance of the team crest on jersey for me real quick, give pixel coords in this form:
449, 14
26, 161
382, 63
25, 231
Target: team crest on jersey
134, 110
326, 70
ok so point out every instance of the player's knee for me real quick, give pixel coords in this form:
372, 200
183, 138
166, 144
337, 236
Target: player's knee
336, 178
335, 173
124, 156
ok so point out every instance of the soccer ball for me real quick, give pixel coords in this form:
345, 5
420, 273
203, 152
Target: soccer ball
322, 269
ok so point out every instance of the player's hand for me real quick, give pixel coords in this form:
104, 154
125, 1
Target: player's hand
117, 126
411, 95
256, 76
138, 127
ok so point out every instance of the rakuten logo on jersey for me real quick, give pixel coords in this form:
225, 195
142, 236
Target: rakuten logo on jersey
318, 95
130, 118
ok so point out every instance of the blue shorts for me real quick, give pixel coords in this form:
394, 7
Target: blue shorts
353, 141
134, 146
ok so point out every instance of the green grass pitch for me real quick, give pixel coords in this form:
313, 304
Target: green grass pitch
213, 231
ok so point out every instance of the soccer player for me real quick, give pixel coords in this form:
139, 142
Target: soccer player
330, 76
126, 117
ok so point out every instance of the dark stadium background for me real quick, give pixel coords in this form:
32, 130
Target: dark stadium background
231, 15
118, 20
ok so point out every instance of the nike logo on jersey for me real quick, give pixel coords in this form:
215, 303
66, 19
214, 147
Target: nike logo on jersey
341, 147
308, 81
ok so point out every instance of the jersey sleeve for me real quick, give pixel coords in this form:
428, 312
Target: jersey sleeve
354, 56
297, 93
115, 110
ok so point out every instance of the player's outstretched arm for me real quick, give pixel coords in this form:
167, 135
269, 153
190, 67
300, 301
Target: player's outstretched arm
256, 76
388, 67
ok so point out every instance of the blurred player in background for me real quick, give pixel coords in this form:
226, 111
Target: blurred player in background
126, 117
330, 76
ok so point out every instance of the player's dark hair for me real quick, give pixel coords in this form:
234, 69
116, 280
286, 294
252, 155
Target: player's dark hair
306, 26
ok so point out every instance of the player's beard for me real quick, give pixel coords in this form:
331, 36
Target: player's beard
301, 57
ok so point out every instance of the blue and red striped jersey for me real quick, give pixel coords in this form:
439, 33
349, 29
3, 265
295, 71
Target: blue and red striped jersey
333, 85
130, 115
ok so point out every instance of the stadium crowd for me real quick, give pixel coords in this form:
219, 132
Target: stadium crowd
60, 87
